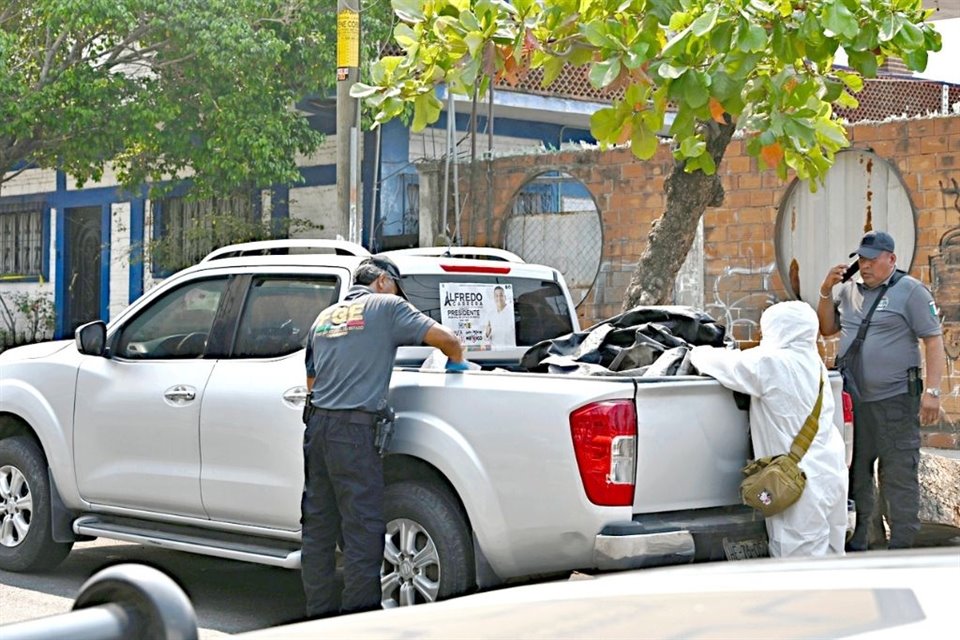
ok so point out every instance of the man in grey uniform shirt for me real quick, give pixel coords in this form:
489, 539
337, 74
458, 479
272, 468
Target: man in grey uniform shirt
349, 360
890, 408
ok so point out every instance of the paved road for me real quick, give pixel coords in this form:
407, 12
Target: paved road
229, 597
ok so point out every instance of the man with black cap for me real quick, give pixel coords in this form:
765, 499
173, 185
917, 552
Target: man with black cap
882, 371
350, 354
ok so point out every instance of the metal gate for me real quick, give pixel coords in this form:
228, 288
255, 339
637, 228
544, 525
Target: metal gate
555, 221
84, 240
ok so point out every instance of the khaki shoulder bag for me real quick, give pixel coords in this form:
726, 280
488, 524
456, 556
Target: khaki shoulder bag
773, 483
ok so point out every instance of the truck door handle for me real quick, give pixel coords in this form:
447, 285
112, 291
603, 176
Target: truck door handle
295, 395
180, 394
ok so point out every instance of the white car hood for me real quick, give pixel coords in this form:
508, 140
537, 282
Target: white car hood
34, 351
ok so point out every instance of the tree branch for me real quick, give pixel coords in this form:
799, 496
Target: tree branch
50, 50
9, 11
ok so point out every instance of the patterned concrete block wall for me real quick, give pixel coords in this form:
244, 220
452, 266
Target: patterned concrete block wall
740, 274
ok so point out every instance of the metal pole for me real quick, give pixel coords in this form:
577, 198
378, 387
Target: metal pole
375, 205
451, 151
348, 72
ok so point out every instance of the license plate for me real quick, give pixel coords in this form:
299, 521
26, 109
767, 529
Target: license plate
745, 549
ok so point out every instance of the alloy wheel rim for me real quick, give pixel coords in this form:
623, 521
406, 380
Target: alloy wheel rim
410, 573
16, 506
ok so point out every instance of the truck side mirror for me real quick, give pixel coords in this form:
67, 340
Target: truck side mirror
92, 338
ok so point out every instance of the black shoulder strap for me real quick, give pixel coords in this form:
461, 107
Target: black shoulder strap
862, 332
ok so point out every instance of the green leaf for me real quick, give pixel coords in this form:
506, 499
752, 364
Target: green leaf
604, 123
643, 142
474, 41
916, 60
889, 27
832, 89
670, 72
752, 38
910, 36
832, 132
863, 61
360, 90
838, 20
408, 10
469, 20
404, 35
551, 70
604, 72
676, 45
705, 23
692, 147
854, 81
694, 89
847, 100
596, 34
721, 36
426, 111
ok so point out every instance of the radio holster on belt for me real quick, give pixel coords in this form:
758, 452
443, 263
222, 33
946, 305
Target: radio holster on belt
308, 409
383, 428
914, 382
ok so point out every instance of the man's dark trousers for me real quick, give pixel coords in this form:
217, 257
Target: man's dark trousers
887, 429
343, 491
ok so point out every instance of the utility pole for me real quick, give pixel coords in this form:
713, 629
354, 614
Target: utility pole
348, 72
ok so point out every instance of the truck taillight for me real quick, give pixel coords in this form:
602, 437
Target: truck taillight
848, 425
605, 444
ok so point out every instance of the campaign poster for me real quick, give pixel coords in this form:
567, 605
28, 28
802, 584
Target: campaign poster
480, 314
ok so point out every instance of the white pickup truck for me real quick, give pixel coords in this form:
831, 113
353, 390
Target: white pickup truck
178, 425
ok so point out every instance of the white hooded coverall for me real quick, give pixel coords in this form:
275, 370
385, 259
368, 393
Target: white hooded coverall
782, 376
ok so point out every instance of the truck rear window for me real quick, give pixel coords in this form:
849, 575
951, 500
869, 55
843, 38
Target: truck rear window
540, 308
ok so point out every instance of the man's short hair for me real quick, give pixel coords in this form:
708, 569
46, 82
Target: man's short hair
372, 268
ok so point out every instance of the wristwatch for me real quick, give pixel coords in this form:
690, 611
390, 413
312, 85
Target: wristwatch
934, 392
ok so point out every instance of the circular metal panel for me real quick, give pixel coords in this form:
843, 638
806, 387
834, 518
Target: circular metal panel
815, 231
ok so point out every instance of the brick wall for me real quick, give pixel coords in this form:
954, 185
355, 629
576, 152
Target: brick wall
629, 196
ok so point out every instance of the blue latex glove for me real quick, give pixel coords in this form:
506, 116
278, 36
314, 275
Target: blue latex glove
457, 367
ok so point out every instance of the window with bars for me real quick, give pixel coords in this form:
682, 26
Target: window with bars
189, 229
21, 239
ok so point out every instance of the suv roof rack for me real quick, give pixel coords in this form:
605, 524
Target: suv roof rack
286, 247
468, 253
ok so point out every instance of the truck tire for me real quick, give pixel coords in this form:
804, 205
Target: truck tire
429, 551
26, 537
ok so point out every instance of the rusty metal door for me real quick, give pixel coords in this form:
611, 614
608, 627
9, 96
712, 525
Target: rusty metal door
815, 231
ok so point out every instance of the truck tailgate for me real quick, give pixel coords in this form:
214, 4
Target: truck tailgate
692, 441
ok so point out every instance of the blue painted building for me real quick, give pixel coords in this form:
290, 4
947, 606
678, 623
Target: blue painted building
83, 248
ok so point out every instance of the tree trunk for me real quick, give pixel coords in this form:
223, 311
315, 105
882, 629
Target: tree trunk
688, 196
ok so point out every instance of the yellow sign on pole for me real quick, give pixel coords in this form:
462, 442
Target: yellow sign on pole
348, 39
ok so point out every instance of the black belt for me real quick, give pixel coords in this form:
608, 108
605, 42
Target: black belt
348, 414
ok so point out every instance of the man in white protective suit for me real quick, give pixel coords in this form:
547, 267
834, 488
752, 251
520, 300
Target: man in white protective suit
782, 376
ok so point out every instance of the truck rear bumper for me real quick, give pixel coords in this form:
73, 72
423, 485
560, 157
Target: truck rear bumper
632, 551
676, 537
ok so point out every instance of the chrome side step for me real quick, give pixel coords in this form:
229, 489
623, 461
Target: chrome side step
179, 538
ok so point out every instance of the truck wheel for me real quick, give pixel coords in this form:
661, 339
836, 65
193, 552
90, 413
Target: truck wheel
26, 541
429, 552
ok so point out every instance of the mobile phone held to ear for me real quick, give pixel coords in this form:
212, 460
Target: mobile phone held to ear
851, 270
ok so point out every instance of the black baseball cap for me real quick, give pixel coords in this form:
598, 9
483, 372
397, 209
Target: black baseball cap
873, 244
376, 266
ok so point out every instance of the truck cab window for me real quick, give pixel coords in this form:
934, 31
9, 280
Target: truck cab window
278, 313
176, 325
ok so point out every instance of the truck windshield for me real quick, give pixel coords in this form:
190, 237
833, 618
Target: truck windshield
540, 308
